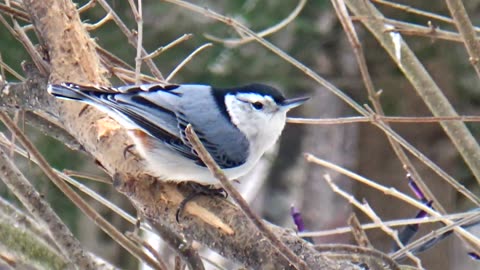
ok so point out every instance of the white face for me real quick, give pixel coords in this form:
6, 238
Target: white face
258, 117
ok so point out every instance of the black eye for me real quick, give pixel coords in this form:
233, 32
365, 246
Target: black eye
257, 105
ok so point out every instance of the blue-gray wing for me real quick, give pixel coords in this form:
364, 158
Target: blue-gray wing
164, 112
227, 145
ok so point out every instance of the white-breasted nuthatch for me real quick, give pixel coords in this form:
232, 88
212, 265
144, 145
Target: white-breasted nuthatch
236, 125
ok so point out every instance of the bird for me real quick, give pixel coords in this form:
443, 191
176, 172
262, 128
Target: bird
236, 124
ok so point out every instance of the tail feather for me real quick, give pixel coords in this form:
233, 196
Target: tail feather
67, 91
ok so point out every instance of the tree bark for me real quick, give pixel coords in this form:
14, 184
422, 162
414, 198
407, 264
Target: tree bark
213, 222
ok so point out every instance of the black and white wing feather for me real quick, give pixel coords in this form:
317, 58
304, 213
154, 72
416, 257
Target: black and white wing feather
164, 112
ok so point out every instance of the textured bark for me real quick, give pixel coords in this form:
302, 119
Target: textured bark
210, 221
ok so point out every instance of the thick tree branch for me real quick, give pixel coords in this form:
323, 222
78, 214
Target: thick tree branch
28, 95
262, 229
220, 225
211, 221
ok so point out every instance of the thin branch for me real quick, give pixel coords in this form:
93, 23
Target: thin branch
17, 13
129, 76
111, 60
271, 30
374, 97
180, 245
131, 38
148, 247
388, 119
87, 175
77, 200
391, 223
237, 197
41, 210
411, 29
138, 14
172, 44
90, 4
472, 217
42, 66
465, 27
330, 87
410, 9
474, 240
186, 60
367, 210
358, 232
4, 66
91, 193
424, 85
100, 23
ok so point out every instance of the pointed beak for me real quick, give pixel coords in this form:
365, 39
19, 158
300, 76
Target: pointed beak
289, 104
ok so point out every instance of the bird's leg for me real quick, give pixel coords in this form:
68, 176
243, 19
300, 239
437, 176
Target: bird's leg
197, 190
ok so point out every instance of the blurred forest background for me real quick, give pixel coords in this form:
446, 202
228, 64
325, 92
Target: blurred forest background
284, 178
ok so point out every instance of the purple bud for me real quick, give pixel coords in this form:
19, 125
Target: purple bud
297, 218
414, 187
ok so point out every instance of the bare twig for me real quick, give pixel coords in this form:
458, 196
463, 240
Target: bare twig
329, 86
10, 70
471, 217
111, 60
98, 24
391, 223
137, 13
180, 245
90, 4
389, 119
423, 83
411, 29
273, 29
38, 207
75, 198
358, 232
186, 60
465, 27
172, 44
92, 194
417, 11
42, 66
366, 209
17, 13
131, 38
475, 241
129, 76
374, 97
148, 247
237, 197
87, 175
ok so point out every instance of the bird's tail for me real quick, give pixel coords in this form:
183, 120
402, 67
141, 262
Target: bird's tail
78, 92
68, 91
